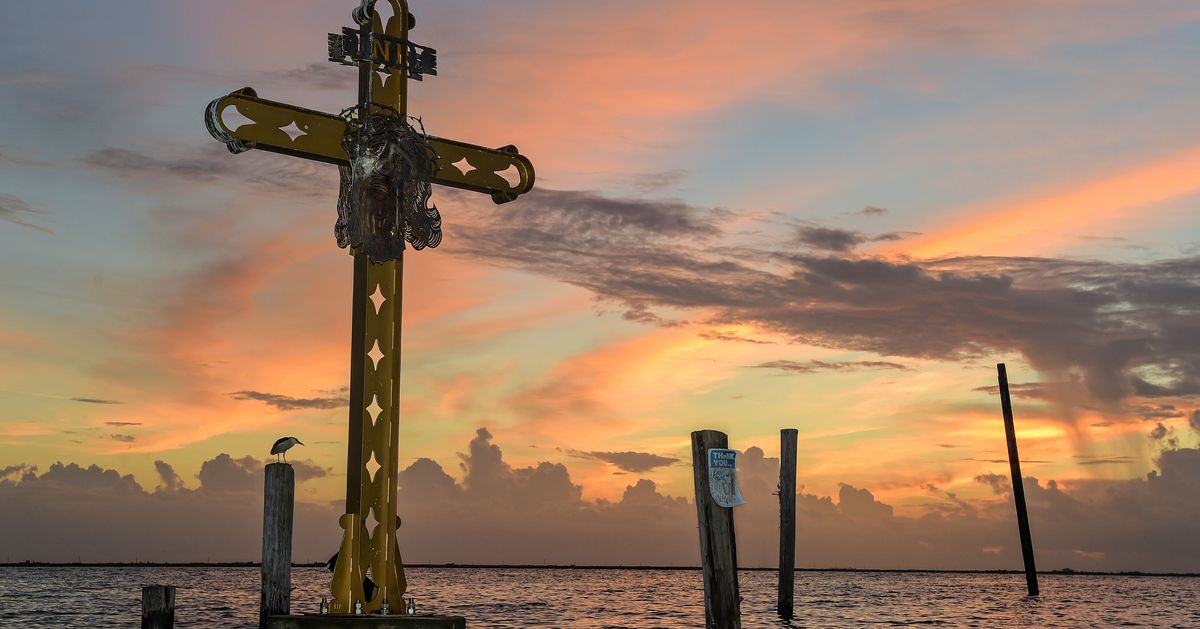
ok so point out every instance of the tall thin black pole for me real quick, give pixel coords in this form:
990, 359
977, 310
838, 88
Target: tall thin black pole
787, 522
1014, 463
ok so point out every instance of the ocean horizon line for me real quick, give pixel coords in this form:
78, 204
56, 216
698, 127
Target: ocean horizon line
321, 564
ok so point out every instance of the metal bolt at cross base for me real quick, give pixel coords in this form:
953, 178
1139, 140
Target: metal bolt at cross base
386, 59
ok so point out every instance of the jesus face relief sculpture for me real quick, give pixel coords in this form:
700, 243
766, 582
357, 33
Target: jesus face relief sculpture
384, 199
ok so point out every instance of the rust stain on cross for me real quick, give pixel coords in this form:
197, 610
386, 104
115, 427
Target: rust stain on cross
386, 59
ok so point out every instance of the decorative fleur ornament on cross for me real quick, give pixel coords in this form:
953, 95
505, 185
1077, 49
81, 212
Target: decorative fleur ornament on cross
388, 165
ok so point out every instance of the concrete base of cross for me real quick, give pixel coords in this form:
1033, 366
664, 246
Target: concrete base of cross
313, 621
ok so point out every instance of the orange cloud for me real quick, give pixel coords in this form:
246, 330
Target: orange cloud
611, 392
1044, 221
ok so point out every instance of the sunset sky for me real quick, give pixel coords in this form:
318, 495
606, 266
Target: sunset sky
835, 217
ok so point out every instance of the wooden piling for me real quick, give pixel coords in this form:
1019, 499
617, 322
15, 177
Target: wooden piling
158, 607
718, 547
1014, 464
787, 522
278, 503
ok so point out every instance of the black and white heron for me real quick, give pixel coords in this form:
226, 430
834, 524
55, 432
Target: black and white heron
282, 445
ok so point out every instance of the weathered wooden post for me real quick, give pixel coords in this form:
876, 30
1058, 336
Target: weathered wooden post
158, 607
278, 503
1014, 464
787, 521
718, 547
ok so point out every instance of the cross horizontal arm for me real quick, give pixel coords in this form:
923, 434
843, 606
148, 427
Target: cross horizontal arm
502, 173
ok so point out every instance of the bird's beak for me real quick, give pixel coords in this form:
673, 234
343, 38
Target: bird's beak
299, 442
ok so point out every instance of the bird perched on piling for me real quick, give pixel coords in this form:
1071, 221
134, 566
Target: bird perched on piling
282, 445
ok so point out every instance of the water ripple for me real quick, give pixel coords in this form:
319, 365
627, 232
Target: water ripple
228, 597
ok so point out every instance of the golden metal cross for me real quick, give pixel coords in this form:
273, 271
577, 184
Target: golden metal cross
369, 547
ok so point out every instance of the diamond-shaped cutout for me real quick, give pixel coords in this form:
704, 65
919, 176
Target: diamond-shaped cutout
293, 131
377, 298
373, 466
376, 354
374, 409
371, 521
463, 165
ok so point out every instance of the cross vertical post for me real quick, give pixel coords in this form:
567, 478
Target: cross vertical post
374, 421
385, 59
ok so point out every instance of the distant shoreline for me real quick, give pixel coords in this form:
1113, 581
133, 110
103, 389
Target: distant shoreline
255, 564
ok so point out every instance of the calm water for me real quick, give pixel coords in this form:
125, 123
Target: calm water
228, 597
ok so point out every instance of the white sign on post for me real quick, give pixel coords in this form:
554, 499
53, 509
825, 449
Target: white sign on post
722, 477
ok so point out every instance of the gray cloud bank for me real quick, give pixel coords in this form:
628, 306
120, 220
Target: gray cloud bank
498, 513
1108, 325
96, 514
838, 240
19, 212
1116, 329
211, 164
289, 403
635, 462
92, 400
815, 366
